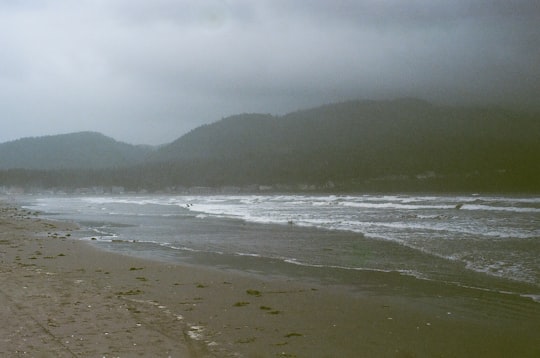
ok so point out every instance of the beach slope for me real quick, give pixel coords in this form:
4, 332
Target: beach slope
62, 297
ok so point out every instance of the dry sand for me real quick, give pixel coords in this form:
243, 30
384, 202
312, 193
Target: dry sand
63, 298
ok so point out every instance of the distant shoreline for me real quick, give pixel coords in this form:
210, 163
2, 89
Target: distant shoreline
18, 191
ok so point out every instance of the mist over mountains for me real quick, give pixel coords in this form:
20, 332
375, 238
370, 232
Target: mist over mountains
399, 145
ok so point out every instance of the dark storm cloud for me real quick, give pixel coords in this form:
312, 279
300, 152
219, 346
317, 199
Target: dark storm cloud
147, 71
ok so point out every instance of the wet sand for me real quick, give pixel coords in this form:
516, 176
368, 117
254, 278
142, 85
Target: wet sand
65, 298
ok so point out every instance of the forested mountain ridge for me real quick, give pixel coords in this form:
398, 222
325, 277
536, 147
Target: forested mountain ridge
359, 141
397, 145
83, 150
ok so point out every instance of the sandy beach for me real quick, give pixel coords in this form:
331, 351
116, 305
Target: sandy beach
62, 297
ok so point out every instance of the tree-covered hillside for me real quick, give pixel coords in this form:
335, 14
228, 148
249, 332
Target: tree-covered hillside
361, 141
84, 150
396, 145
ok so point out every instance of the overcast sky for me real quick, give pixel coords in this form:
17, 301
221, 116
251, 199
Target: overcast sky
147, 71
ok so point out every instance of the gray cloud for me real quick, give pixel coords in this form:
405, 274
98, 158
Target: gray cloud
148, 71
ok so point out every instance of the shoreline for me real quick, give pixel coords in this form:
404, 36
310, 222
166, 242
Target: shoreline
78, 300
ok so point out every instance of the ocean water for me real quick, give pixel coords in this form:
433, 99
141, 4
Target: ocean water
488, 242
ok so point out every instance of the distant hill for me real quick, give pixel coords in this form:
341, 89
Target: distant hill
362, 142
400, 145
84, 150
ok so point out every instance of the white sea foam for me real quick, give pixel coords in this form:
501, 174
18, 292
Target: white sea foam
247, 254
500, 208
396, 206
533, 297
286, 209
181, 248
411, 273
449, 227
